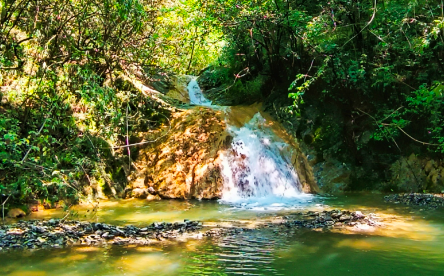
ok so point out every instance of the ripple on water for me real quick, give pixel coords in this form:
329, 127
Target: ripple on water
248, 253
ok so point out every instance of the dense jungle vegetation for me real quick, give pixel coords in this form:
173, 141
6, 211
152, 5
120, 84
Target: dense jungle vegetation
358, 81
365, 78
66, 107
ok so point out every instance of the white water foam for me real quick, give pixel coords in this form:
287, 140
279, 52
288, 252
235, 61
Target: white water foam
196, 95
257, 170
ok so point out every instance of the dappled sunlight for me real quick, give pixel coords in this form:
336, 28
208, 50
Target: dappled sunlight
145, 249
98, 101
362, 244
28, 273
87, 249
46, 214
408, 228
145, 264
263, 242
148, 216
240, 115
67, 259
184, 164
192, 245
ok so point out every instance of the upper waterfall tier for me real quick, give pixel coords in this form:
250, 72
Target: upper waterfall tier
196, 96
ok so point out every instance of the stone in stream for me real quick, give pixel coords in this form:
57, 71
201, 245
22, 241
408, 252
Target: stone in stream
338, 224
357, 215
328, 219
335, 214
345, 218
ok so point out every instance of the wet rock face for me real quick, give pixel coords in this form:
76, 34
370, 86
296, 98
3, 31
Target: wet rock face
332, 176
414, 174
430, 201
186, 162
178, 88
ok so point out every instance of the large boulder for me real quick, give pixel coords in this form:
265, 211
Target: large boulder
178, 89
16, 213
185, 163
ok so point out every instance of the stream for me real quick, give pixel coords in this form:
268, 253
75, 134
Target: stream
260, 185
411, 244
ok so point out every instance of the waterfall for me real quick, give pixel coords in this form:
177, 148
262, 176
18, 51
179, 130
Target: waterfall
257, 169
196, 96
257, 166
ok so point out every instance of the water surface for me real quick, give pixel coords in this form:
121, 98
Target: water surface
412, 243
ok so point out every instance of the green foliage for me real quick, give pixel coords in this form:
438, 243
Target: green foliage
305, 85
366, 76
359, 77
187, 41
423, 107
64, 104
247, 90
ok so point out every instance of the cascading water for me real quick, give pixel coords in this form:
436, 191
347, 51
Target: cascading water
196, 96
256, 165
257, 169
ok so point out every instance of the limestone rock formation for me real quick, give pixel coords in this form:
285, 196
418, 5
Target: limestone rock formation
185, 163
178, 88
415, 174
